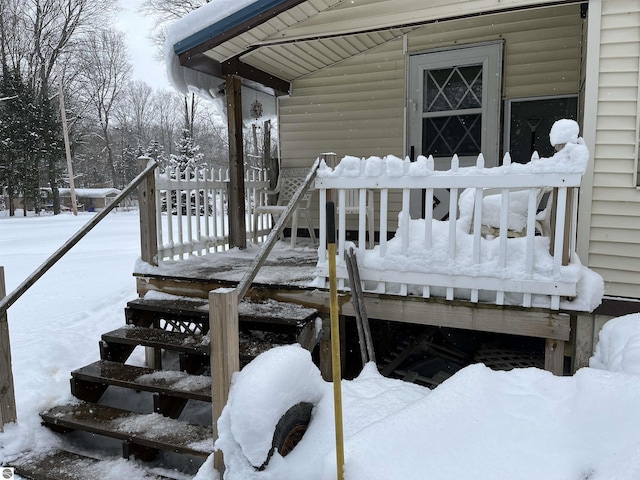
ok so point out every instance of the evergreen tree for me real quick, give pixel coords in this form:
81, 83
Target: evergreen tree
188, 155
30, 141
18, 166
156, 151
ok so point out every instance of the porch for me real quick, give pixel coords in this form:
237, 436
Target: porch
420, 271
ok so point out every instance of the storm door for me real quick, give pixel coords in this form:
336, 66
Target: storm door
454, 108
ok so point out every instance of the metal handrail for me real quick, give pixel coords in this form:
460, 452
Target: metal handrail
10, 299
258, 261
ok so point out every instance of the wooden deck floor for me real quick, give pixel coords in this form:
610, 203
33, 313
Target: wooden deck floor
288, 275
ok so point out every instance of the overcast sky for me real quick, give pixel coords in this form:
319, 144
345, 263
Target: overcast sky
137, 29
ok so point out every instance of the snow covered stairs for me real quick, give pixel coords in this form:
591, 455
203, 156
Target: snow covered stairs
177, 332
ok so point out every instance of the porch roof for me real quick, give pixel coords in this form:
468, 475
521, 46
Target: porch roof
273, 42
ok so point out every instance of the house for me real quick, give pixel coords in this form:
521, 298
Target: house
438, 82
89, 199
92, 199
371, 78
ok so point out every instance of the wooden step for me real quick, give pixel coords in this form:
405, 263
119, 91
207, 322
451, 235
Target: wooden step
152, 431
154, 337
266, 315
63, 465
118, 344
88, 383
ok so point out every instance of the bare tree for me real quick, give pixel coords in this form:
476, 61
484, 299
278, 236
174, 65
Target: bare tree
105, 72
35, 35
135, 108
43, 30
166, 106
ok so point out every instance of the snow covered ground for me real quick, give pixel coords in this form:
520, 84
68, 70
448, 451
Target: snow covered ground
479, 424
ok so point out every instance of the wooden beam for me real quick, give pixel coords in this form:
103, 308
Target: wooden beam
235, 66
554, 356
486, 318
237, 222
225, 356
532, 322
583, 340
7, 395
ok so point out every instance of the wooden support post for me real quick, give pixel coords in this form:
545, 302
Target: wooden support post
225, 353
7, 395
330, 160
148, 222
325, 350
237, 222
554, 356
582, 337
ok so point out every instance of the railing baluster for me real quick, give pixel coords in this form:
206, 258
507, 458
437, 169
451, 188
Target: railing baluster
206, 193
159, 227
559, 230
199, 212
404, 222
362, 220
169, 193
530, 244
342, 230
322, 248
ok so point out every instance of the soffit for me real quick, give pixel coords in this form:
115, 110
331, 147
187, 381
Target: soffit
316, 34
290, 61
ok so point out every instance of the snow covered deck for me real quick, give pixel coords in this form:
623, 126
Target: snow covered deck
504, 265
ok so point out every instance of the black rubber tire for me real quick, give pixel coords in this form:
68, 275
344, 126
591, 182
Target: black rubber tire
290, 429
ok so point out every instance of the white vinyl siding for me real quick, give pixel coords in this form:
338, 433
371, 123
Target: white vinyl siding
357, 107
614, 247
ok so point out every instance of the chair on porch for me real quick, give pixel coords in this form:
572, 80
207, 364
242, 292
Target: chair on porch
289, 181
352, 207
517, 215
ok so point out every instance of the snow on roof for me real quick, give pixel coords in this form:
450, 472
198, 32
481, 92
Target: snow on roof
200, 22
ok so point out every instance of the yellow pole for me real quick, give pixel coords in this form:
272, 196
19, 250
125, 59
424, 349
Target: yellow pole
335, 339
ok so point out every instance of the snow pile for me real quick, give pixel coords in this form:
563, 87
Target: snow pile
618, 348
480, 424
278, 379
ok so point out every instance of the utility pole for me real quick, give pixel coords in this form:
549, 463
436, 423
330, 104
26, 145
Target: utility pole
67, 148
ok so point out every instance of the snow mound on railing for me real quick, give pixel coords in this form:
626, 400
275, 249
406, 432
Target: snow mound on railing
572, 158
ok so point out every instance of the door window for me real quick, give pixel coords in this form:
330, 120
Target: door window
454, 109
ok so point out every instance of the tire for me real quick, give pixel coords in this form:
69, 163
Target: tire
290, 429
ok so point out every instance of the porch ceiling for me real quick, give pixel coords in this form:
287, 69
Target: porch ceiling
290, 39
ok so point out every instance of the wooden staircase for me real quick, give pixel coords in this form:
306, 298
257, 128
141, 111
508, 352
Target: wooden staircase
176, 331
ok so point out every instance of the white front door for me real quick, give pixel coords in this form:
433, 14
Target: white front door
454, 108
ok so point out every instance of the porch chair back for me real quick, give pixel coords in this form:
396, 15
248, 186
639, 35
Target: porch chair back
289, 180
517, 216
352, 207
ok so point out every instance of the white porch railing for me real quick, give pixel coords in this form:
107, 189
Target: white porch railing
448, 259
191, 210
